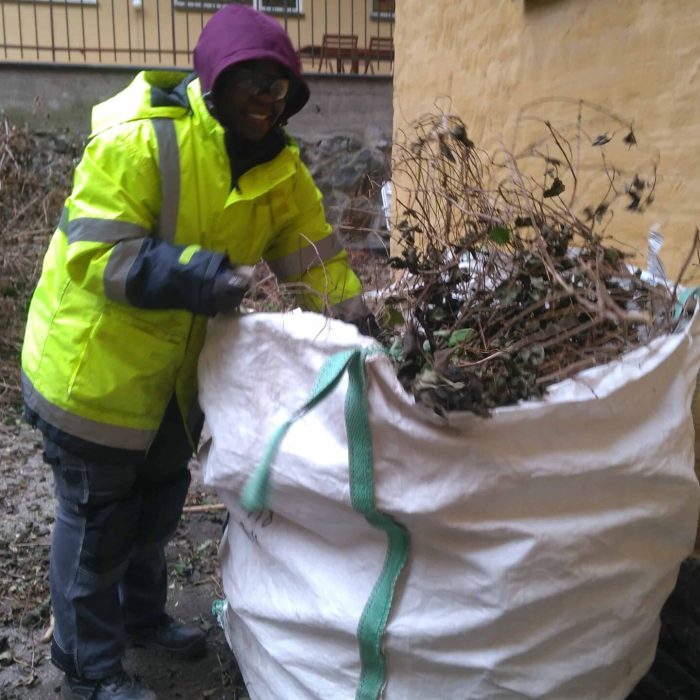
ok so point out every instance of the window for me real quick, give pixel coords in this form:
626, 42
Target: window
383, 9
271, 6
279, 5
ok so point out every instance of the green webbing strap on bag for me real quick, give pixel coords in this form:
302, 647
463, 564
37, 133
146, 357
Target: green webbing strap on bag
255, 491
370, 631
683, 300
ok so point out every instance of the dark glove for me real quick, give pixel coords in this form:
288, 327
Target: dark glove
230, 286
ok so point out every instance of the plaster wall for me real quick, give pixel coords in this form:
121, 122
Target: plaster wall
487, 59
53, 98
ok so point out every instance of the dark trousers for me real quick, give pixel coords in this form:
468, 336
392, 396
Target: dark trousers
107, 564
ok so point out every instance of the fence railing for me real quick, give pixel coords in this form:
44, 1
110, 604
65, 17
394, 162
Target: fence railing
337, 36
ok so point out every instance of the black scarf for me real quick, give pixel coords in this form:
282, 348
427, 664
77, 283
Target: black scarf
244, 154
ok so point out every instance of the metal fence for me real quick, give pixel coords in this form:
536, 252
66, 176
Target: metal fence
337, 36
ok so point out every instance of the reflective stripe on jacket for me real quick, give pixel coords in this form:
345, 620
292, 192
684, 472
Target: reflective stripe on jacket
118, 318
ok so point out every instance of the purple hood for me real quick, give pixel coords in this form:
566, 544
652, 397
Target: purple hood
238, 33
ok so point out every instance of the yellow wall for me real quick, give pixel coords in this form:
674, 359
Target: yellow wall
157, 34
640, 59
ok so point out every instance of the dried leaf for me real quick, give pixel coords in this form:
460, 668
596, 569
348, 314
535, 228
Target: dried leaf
556, 189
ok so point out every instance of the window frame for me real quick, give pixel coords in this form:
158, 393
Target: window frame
296, 10
380, 16
199, 5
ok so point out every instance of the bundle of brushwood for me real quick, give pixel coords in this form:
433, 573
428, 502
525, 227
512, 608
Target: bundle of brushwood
35, 177
507, 282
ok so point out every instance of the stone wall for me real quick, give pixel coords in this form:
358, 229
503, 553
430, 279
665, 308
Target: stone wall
59, 97
350, 171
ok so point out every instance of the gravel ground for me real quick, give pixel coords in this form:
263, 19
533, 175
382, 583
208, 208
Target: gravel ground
25, 667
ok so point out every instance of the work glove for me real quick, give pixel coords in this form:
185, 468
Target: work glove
230, 286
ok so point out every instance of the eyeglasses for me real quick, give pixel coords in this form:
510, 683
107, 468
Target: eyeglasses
255, 83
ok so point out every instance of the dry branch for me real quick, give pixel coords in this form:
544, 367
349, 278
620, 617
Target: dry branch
35, 177
204, 508
507, 281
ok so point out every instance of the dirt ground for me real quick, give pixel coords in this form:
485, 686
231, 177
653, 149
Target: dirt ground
27, 506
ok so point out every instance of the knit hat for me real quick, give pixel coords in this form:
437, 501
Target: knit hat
238, 33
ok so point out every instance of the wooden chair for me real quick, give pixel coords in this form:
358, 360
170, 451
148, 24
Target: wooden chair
340, 47
381, 48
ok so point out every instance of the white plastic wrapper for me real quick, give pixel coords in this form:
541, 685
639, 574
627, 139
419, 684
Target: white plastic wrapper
544, 540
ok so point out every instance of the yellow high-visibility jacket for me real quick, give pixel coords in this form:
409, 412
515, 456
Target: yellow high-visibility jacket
119, 315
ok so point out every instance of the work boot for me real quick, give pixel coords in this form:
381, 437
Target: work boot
179, 640
119, 687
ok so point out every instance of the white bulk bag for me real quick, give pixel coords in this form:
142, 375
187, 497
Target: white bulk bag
544, 539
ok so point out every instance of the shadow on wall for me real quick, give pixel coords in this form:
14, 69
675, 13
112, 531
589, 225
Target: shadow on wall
535, 5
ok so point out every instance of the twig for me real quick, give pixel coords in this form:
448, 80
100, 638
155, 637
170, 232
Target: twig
504, 290
686, 262
48, 634
206, 508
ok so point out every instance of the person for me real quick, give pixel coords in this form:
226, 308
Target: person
186, 181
